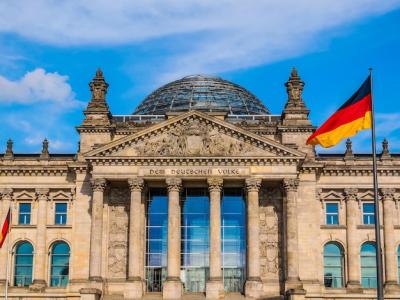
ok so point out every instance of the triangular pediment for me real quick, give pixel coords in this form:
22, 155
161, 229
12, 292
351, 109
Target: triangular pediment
194, 134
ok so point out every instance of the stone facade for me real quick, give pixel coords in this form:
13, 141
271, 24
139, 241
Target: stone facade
286, 186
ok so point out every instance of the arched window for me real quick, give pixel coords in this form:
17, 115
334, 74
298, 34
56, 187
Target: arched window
368, 265
333, 265
59, 264
23, 264
398, 263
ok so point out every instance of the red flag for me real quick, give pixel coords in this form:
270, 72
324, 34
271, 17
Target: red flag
5, 228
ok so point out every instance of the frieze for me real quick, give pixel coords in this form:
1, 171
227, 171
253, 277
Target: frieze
195, 172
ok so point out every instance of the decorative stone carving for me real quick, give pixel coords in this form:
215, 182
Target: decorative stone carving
291, 184
270, 233
98, 184
136, 184
215, 184
350, 194
7, 194
9, 151
42, 194
45, 150
173, 184
253, 184
387, 194
118, 232
349, 150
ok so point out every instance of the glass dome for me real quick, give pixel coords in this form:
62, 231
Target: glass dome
204, 93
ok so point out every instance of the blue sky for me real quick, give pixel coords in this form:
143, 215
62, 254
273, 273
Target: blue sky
49, 51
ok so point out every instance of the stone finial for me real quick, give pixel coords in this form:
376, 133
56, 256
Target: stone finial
45, 149
349, 150
97, 111
294, 89
9, 150
385, 149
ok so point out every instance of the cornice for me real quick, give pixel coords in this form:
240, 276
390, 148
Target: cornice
95, 129
33, 170
359, 171
189, 161
296, 129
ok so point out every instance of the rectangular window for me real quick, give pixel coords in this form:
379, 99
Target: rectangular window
332, 213
24, 217
368, 213
61, 214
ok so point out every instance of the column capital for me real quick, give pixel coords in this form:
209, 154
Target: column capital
42, 194
174, 184
350, 194
387, 194
136, 184
290, 184
98, 184
215, 184
253, 184
6, 194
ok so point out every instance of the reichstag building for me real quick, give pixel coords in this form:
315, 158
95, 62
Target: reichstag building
203, 193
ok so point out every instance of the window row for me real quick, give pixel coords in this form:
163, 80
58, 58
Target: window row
60, 213
334, 265
332, 213
59, 264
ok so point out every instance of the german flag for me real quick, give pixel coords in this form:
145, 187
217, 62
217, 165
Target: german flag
5, 228
354, 115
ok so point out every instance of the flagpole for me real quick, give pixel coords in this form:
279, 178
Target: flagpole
8, 252
379, 265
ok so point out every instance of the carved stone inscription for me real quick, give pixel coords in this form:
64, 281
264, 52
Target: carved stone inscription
270, 232
199, 171
118, 232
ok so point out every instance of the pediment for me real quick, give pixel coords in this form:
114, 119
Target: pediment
194, 134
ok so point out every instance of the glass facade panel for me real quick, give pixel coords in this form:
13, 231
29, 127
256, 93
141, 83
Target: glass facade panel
23, 264
24, 216
195, 230
156, 239
332, 213
368, 213
368, 265
233, 233
60, 253
61, 213
333, 265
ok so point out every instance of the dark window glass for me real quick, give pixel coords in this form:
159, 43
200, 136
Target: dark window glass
24, 217
233, 233
61, 213
156, 239
368, 265
398, 263
23, 264
368, 213
333, 265
332, 213
59, 264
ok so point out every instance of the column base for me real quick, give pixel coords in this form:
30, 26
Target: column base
172, 288
38, 285
90, 294
354, 287
392, 287
253, 287
295, 294
133, 289
215, 289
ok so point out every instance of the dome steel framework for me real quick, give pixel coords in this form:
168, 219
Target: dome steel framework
204, 93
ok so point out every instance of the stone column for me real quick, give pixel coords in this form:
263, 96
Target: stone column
389, 239
293, 283
134, 289
215, 286
353, 246
253, 284
6, 197
40, 256
96, 237
172, 287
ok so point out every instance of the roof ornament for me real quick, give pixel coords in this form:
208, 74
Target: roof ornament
385, 149
9, 151
45, 149
349, 150
294, 89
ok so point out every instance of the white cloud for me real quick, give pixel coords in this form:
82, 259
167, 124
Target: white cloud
38, 86
209, 36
